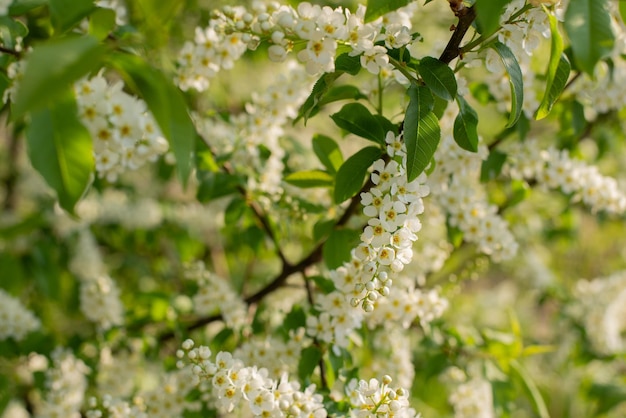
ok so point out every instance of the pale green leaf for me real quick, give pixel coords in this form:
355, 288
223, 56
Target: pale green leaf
66, 14
328, 152
338, 247
310, 178
558, 70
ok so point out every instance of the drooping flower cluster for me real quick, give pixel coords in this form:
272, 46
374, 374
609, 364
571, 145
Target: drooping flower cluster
602, 309
215, 295
16, 321
250, 389
556, 169
249, 135
66, 383
456, 186
376, 398
322, 29
99, 295
124, 133
113, 408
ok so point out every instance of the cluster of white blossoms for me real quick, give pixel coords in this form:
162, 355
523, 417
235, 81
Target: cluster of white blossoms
556, 169
249, 390
393, 351
250, 134
125, 134
376, 398
113, 408
473, 399
66, 383
99, 295
274, 354
456, 186
215, 295
406, 304
233, 30
16, 321
601, 307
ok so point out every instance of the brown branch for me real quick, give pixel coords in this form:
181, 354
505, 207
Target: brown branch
10, 51
466, 16
287, 270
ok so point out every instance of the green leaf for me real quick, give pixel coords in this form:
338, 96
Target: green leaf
325, 285
558, 70
311, 106
214, 185
533, 391
607, 396
52, 68
515, 80
166, 103
328, 152
60, 149
588, 27
19, 7
310, 178
338, 246
101, 23
66, 14
309, 360
11, 30
465, 126
357, 119
343, 92
352, 172
438, 77
421, 130
488, 14
296, 318
377, 8
492, 166
622, 11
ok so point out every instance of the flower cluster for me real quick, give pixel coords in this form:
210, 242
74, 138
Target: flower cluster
274, 354
16, 321
456, 187
321, 29
602, 308
377, 398
250, 389
473, 399
99, 295
556, 169
113, 408
66, 383
261, 125
124, 133
216, 295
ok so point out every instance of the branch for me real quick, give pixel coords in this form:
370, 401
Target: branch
466, 16
10, 181
9, 51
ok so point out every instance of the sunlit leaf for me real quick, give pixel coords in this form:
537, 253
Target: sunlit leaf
352, 173
377, 8
310, 178
328, 152
357, 119
61, 150
421, 130
488, 13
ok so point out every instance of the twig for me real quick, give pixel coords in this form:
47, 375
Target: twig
10, 181
10, 51
466, 16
